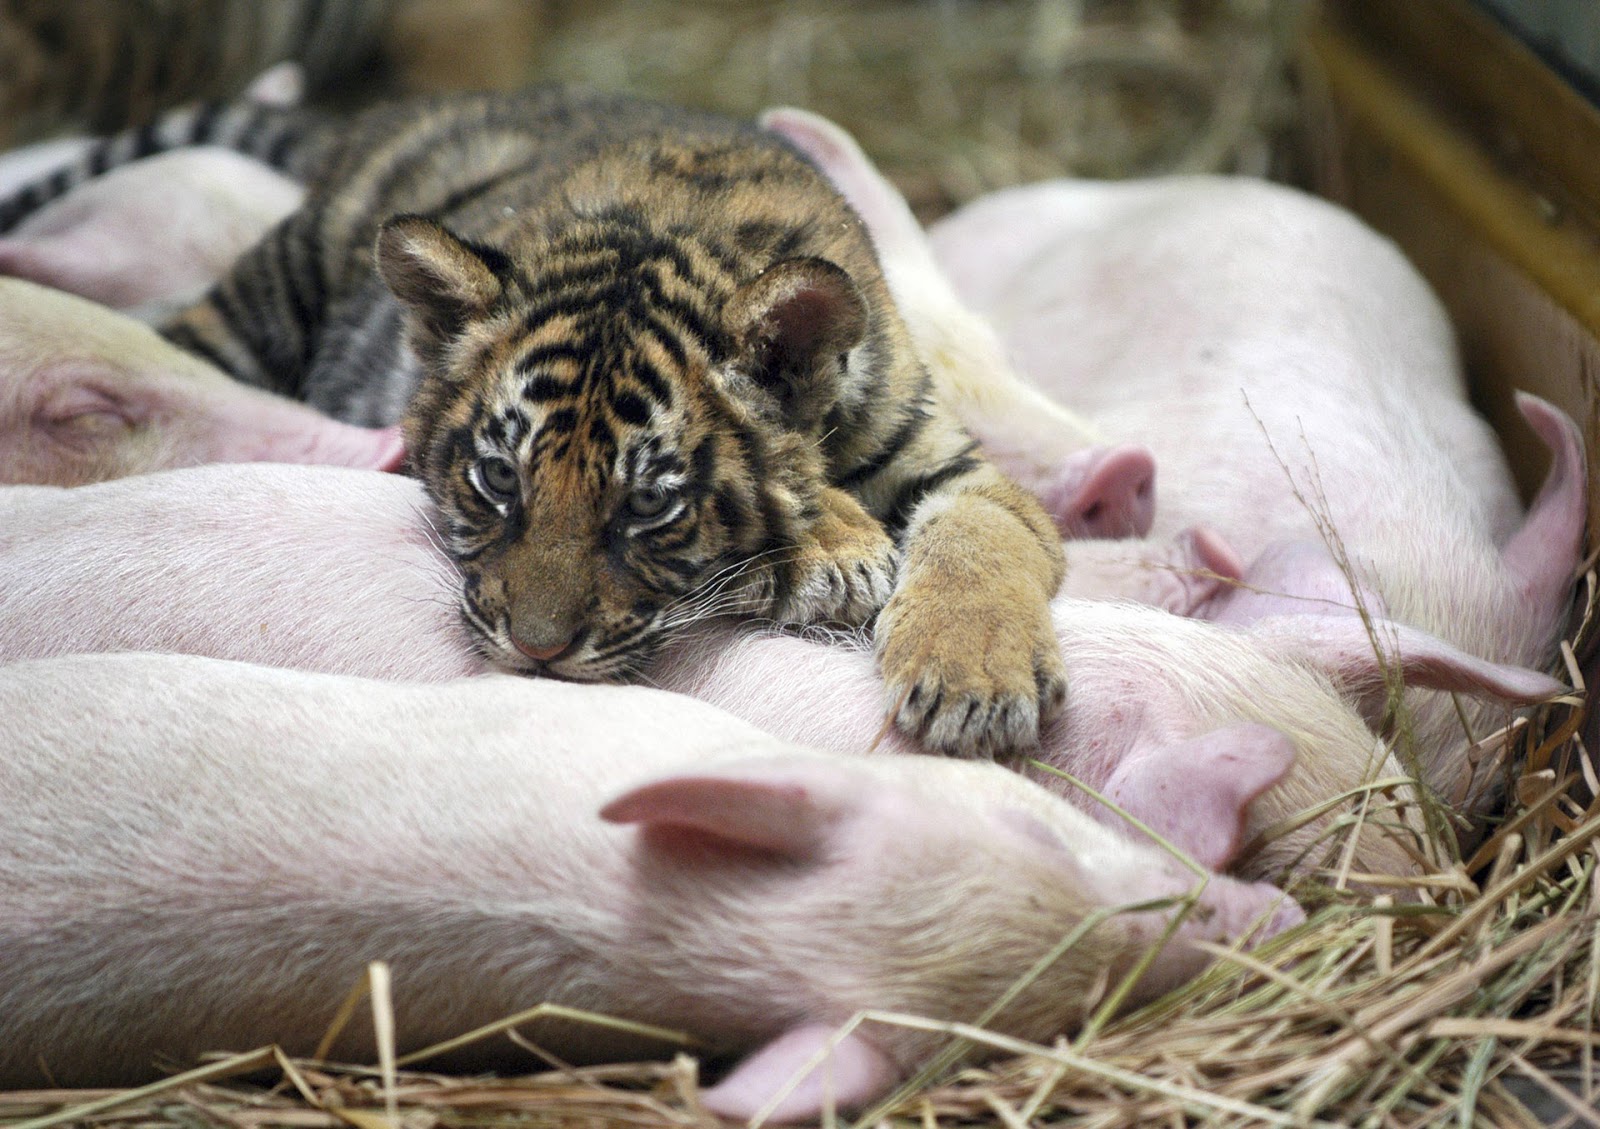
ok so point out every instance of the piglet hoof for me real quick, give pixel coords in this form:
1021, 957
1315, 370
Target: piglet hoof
802, 1075
1286, 914
1104, 492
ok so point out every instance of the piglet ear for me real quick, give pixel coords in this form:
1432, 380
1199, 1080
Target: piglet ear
282, 84
1543, 554
836, 155
45, 262
1196, 794
793, 323
778, 806
1342, 647
444, 279
851, 1073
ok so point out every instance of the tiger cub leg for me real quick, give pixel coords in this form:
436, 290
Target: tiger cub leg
966, 644
844, 570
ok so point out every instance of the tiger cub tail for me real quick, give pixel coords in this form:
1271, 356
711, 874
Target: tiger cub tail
285, 137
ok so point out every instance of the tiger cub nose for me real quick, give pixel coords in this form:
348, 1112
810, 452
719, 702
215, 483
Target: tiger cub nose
544, 629
543, 654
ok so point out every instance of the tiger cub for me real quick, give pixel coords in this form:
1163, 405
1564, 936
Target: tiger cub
649, 371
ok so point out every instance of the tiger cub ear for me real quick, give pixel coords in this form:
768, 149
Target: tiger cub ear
791, 324
442, 278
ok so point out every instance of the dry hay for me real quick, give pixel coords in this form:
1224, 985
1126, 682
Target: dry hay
1466, 1008
956, 98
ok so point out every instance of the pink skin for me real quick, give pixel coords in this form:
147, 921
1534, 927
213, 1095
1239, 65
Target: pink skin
1106, 492
1182, 576
1531, 573
152, 235
203, 854
1292, 375
281, 563
851, 1072
1290, 577
149, 236
1209, 554
1237, 764
88, 394
320, 555
21, 167
293, 565
317, 568
1089, 487
1155, 698
1241, 776
1183, 312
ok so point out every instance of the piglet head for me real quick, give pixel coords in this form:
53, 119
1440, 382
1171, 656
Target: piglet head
912, 885
87, 394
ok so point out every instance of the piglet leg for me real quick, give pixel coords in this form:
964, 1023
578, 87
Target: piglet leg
802, 1072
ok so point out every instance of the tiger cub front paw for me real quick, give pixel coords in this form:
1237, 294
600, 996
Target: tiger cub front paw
972, 671
843, 572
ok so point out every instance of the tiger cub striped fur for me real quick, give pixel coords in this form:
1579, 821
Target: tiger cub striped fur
106, 64
649, 371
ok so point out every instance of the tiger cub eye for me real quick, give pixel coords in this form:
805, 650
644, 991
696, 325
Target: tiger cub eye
649, 501
496, 479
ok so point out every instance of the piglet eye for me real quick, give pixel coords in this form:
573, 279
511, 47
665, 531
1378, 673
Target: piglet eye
88, 410
97, 422
649, 501
496, 479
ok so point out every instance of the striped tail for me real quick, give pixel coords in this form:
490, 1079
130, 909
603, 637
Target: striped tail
277, 135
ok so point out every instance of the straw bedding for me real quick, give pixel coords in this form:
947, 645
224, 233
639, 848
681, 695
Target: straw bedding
1475, 1006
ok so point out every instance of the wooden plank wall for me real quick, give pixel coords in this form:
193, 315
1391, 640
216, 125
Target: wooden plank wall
1444, 132
1447, 134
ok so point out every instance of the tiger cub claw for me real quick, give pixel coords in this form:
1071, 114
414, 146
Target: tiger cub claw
844, 572
974, 680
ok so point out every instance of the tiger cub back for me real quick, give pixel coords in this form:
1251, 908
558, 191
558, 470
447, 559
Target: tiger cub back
649, 371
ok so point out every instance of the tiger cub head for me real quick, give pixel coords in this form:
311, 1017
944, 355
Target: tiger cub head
619, 437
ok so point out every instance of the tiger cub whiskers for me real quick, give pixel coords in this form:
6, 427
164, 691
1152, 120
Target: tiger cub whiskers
644, 354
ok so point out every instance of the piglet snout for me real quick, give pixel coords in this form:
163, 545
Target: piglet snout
303, 436
1106, 492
